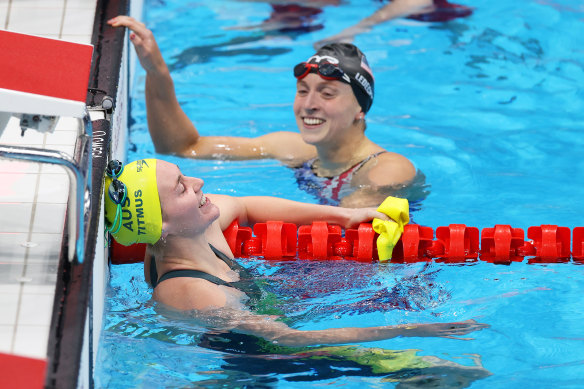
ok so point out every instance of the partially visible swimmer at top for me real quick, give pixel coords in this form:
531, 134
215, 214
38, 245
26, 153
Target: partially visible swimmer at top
332, 157
301, 16
421, 10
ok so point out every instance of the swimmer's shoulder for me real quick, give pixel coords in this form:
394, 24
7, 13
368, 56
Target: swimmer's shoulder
386, 169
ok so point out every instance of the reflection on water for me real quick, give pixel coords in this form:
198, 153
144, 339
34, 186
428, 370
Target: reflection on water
285, 21
205, 53
245, 359
476, 105
310, 291
263, 364
140, 336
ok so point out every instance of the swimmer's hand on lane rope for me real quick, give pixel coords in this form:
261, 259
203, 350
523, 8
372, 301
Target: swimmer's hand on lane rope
390, 231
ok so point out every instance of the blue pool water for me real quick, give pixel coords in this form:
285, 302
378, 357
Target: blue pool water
490, 108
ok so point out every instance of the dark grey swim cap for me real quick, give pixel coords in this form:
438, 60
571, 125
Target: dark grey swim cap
353, 62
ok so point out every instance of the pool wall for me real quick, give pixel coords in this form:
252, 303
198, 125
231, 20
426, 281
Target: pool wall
111, 73
79, 298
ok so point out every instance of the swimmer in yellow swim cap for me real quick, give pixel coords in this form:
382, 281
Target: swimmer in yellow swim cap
132, 206
152, 201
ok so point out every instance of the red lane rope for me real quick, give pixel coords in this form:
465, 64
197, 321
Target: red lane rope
456, 243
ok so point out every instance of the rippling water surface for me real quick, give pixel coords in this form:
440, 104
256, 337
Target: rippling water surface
489, 108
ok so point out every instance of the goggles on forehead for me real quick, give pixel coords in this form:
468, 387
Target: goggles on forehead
117, 192
325, 70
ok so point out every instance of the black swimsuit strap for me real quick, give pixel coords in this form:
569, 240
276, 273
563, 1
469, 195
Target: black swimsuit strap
246, 285
371, 156
153, 271
230, 262
194, 274
197, 273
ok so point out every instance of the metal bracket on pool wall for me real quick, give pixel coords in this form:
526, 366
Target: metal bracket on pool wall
456, 243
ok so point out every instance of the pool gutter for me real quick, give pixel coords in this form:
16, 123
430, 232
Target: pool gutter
78, 304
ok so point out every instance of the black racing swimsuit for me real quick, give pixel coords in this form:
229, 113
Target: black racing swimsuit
247, 353
246, 283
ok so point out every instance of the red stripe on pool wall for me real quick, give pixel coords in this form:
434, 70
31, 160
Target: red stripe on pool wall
44, 66
21, 372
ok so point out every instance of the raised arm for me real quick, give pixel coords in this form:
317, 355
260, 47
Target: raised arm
170, 128
392, 10
173, 132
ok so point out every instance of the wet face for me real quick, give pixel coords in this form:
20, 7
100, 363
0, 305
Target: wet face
325, 110
185, 209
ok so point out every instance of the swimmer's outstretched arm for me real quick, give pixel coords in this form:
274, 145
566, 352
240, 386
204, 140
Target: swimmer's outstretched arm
392, 10
174, 133
257, 209
280, 333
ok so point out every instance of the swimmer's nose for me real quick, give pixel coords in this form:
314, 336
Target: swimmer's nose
196, 183
310, 102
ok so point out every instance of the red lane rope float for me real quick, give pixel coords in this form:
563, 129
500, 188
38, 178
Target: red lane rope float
456, 243
578, 243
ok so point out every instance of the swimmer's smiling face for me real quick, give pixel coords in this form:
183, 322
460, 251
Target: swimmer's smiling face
324, 109
185, 208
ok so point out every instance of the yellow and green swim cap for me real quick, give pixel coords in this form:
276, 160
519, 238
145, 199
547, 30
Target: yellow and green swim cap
138, 217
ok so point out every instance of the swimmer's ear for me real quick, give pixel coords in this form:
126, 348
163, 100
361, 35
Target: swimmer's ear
360, 116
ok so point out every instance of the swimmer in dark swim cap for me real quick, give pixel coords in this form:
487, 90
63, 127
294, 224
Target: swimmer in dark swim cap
332, 157
353, 69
